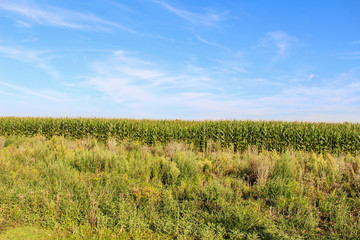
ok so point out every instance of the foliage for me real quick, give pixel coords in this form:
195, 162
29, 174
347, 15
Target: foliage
236, 135
61, 188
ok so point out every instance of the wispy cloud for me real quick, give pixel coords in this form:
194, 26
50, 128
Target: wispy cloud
118, 5
27, 13
210, 18
21, 23
322, 96
126, 78
281, 40
144, 87
39, 59
234, 64
350, 55
29, 91
201, 39
335, 100
300, 104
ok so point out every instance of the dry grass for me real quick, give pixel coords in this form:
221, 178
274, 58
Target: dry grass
2, 142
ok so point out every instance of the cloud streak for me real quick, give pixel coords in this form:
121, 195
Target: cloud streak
281, 40
350, 55
210, 18
201, 39
30, 13
36, 58
126, 78
144, 87
300, 104
28, 91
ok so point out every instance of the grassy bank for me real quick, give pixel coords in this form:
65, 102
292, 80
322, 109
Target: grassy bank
59, 188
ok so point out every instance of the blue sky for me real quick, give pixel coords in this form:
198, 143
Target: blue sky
169, 59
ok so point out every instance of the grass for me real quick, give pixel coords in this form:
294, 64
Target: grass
61, 188
26, 233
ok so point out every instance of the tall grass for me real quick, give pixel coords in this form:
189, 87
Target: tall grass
86, 188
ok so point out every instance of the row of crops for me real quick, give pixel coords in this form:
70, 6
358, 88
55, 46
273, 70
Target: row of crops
270, 135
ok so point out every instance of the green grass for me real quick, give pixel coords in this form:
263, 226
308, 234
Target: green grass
26, 233
61, 188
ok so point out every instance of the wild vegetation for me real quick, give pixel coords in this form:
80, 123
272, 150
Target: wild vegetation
65, 188
237, 135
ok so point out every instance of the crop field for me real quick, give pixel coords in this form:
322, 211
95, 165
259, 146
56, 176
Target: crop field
237, 135
147, 179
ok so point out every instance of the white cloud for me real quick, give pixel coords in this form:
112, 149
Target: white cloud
30, 91
121, 89
151, 90
193, 95
281, 40
322, 96
344, 78
304, 104
22, 23
30, 13
128, 79
118, 5
37, 58
311, 77
335, 101
209, 18
141, 73
232, 65
355, 85
201, 39
350, 55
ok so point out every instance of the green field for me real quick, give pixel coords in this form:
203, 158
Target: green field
237, 135
144, 179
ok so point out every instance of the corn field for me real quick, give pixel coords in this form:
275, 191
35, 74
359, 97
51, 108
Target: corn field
237, 135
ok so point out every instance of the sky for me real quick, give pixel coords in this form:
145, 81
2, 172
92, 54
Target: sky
170, 59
